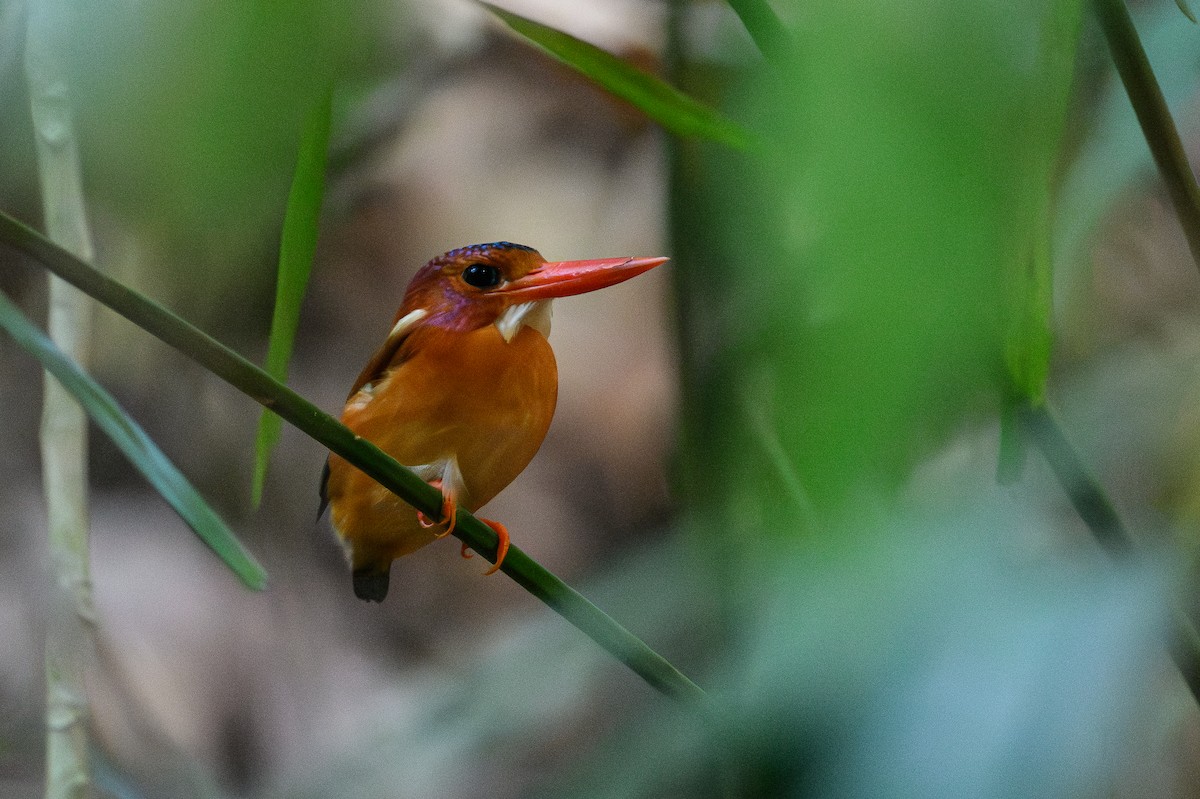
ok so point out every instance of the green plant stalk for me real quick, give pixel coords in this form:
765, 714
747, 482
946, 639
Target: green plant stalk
293, 408
1153, 115
69, 644
1093, 505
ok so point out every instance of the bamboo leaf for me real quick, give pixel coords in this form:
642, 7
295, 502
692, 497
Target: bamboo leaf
660, 101
296, 249
142, 452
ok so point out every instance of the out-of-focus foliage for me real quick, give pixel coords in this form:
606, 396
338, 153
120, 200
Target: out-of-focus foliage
862, 280
142, 452
1113, 154
769, 34
190, 110
661, 102
297, 246
877, 313
926, 663
873, 285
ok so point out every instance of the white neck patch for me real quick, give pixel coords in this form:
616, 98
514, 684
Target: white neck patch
407, 322
536, 314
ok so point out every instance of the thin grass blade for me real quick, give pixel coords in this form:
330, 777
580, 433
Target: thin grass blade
296, 249
142, 452
658, 100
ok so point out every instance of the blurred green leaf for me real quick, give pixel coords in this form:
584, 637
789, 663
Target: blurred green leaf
762, 23
663, 103
136, 445
1187, 12
192, 109
1029, 340
1010, 461
296, 249
877, 245
1030, 274
925, 661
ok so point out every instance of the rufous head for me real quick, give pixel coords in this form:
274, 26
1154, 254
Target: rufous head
470, 287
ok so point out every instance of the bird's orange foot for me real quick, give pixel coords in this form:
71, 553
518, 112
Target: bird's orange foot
449, 517
501, 545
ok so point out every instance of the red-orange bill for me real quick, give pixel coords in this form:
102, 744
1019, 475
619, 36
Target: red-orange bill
565, 278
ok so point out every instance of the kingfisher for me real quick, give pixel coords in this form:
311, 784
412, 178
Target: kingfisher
462, 391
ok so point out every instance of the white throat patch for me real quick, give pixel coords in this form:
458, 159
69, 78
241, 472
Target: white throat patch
536, 314
407, 322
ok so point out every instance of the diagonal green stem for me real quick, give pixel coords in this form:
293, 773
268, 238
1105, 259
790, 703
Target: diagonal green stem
1082, 488
258, 385
1098, 512
1153, 115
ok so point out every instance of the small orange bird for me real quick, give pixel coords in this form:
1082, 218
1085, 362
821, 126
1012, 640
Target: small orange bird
462, 392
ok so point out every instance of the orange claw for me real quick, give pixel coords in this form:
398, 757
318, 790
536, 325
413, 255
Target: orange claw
449, 517
501, 546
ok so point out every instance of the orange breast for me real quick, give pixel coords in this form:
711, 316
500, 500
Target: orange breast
471, 396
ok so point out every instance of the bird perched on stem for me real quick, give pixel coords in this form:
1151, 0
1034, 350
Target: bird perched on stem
462, 391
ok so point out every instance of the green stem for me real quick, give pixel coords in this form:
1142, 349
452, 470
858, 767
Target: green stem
1082, 487
1098, 512
1153, 115
293, 408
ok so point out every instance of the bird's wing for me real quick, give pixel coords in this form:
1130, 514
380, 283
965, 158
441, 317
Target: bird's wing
381, 361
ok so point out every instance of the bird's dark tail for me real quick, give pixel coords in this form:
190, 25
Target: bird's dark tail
370, 584
323, 490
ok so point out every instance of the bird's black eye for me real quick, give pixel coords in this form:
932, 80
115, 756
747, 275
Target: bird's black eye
481, 276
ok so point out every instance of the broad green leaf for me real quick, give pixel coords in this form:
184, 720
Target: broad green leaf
137, 446
297, 245
1030, 274
866, 276
660, 101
